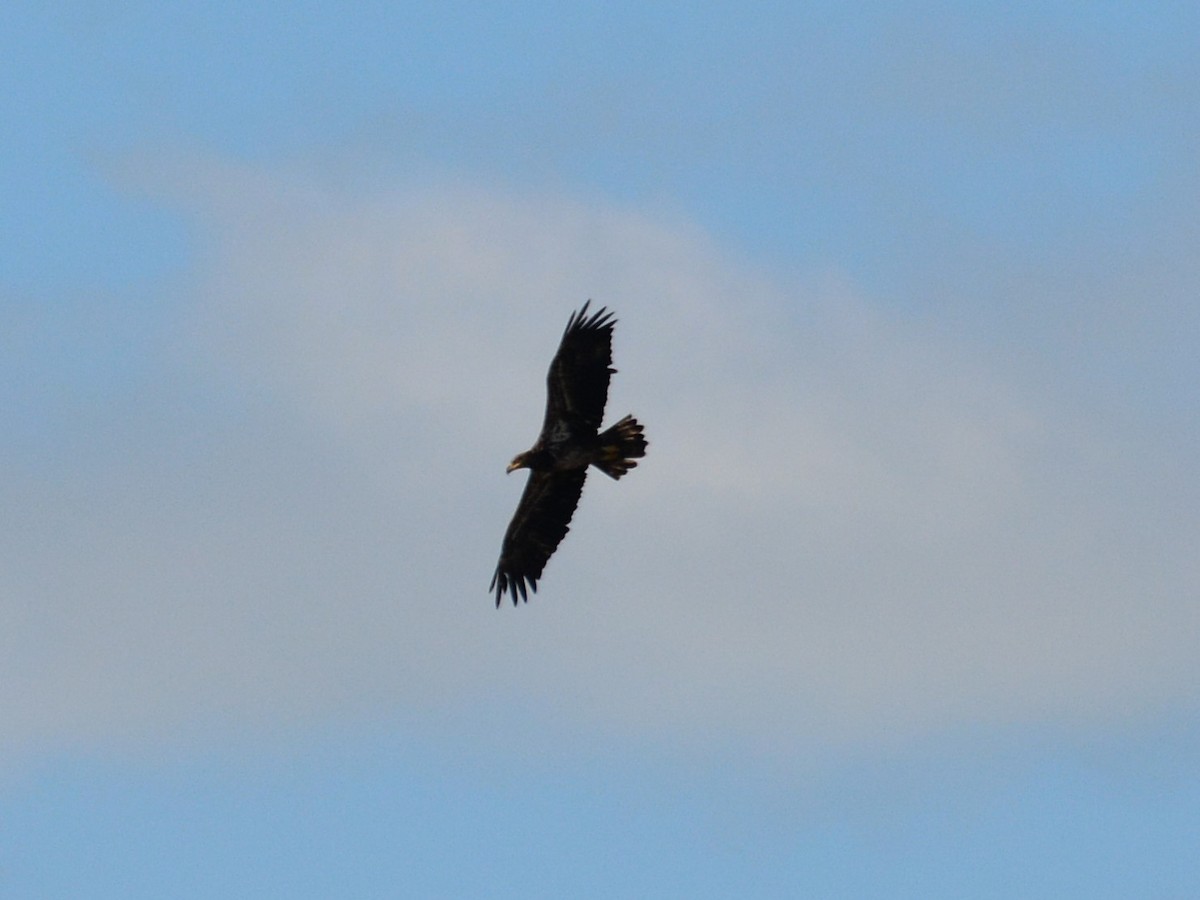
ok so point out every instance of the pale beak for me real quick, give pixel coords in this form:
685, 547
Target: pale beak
512, 466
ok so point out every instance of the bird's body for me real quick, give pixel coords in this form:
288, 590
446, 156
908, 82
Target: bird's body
570, 441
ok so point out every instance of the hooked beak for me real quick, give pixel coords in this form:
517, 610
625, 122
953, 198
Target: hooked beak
513, 466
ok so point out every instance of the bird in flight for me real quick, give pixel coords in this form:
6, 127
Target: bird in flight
571, 440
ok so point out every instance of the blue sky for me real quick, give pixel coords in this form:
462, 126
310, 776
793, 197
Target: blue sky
903, 603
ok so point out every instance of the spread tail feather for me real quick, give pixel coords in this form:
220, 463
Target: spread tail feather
620, 445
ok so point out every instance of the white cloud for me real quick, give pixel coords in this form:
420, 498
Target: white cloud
847, 526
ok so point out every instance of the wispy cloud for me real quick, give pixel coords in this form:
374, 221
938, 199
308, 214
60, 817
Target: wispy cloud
850, 525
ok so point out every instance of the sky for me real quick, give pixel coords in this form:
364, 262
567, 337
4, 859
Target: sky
903, 602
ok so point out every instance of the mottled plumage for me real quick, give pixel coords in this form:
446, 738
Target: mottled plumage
571, 440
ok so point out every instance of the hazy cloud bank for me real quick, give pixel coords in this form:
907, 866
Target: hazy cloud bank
850, 524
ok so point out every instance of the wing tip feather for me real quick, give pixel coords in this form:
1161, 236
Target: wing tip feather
515, 584
579, 321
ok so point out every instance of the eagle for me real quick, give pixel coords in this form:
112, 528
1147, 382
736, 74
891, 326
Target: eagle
570, 441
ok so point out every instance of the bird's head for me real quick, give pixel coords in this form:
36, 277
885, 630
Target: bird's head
520, 461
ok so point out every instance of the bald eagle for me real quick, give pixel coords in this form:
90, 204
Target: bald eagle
571, 440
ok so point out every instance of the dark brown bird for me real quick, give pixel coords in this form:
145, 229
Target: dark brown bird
571, 440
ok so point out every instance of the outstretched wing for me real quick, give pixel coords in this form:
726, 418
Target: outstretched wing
542, 519
577, 383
